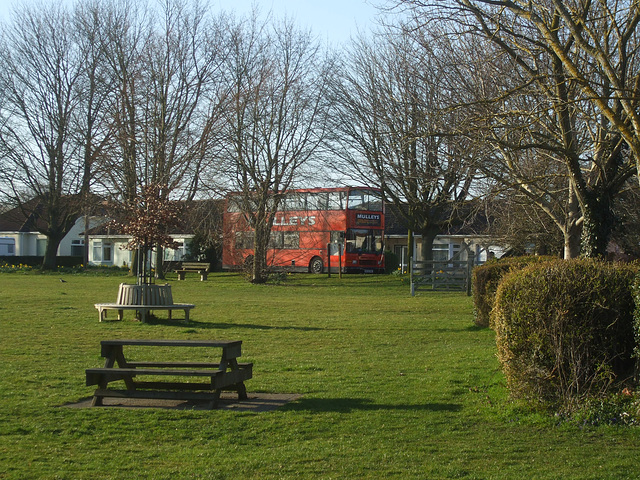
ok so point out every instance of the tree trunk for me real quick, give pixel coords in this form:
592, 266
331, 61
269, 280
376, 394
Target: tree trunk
428, 236
134, 268
160, 263
572, 241
261, 242
51, 252
597, 225
409, 258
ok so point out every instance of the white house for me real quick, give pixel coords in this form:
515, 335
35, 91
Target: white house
458, 244
109, 249
446, 247
19, 236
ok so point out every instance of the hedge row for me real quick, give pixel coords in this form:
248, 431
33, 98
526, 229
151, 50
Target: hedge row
565, 330
485, 281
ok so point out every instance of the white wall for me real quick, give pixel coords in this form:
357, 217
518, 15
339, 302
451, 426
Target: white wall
76, 233
100, 245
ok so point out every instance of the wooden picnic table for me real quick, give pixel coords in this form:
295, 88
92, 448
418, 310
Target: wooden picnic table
141, 377
199, 267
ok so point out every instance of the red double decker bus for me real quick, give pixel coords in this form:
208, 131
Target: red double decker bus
313, 230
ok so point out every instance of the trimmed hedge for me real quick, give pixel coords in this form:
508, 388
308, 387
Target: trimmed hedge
485, 281
564, 330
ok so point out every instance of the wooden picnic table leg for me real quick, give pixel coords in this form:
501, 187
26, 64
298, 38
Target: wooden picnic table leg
242, 391
232, 364
213, 404
110, 355
113, 354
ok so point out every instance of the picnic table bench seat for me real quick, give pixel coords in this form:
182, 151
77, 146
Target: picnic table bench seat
143, 299
199, 267
227, 374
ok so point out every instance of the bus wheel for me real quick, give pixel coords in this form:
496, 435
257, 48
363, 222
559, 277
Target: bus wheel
316, 265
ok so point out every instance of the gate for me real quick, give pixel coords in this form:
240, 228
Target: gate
441, 275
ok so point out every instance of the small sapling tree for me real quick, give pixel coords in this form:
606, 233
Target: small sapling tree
147, 219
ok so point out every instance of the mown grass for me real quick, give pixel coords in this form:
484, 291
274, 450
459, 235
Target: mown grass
392, 387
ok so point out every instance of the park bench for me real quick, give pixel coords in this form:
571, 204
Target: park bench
143, 299
227, 374
200, 267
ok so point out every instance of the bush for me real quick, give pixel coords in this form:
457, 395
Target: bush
485, 279
564, 330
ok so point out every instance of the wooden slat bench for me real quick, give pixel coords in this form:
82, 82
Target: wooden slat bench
200, 267
143, 299
227, 374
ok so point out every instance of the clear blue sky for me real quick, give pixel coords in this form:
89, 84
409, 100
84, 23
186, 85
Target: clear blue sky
331, 20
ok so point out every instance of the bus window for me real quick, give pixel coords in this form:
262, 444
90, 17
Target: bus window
318, 201
234, 204
295, 202
365, 200
336, 200
364, 241
244, 240
291, 240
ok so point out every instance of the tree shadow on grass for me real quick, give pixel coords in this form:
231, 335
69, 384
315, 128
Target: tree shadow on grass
346, 405
468, 328
193, 324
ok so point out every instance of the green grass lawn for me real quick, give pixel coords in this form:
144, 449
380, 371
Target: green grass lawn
392, 387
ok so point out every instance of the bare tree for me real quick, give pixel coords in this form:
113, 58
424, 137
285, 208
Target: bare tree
96, 96
582, 57
166, 65
126, 33
397, 129
39, 85
182, 65
275, 118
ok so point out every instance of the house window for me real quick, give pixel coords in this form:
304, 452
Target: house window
171, 255
106, 253
77, 248
445, 251
102, 252
440, 252
41, 246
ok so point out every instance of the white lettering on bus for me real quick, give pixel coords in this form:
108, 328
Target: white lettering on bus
284, 221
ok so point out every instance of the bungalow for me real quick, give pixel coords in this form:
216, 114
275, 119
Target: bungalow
108, 248
458, 243
20, 235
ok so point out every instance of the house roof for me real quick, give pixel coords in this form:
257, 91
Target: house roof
192, 216
475, 224
23, 220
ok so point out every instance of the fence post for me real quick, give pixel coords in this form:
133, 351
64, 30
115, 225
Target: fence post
413, 291
470, 263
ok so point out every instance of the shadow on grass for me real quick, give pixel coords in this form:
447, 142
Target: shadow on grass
351, 404
221, 326
470, 328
